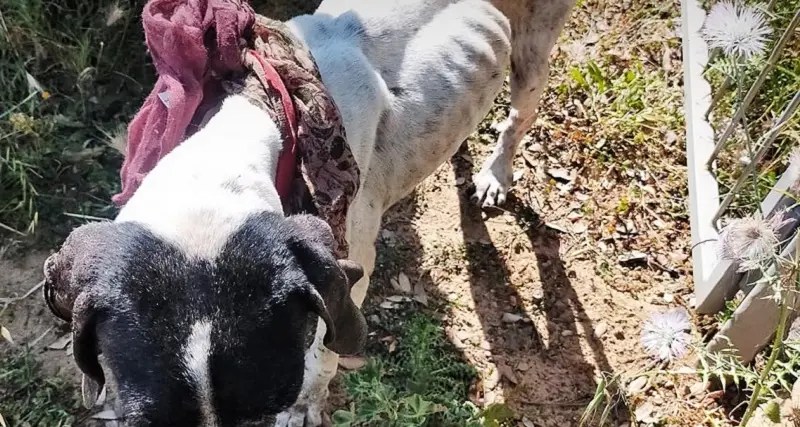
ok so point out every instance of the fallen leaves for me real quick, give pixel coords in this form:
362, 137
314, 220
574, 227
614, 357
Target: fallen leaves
6, 335
61, 343
402, 284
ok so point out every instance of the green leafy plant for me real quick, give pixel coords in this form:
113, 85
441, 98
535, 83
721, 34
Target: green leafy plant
422, 383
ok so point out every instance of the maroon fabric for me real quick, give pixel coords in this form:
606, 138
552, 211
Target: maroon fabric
288, 159
187, 39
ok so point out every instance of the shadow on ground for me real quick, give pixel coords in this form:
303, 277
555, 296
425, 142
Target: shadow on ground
532, 358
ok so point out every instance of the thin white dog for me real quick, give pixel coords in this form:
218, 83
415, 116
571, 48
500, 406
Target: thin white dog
428, 72
198, 295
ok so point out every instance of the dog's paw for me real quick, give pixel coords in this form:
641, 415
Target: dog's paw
492, 182
301, 414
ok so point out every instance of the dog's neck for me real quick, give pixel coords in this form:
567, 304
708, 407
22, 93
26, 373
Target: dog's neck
207, 187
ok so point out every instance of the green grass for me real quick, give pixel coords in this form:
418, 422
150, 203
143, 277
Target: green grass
73, 73
422, 383
28, 398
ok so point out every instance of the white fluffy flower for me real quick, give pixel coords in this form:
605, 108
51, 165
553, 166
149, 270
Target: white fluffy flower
738, 29
665, 336
751, 241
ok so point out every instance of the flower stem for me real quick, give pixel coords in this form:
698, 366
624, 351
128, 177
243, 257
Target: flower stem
739, 71
777, 342
777, 346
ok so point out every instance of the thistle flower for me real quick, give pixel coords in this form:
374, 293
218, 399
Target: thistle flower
665, 336
738, 29
751, 242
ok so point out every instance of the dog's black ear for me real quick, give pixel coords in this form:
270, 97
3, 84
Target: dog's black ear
332, 279
71, 290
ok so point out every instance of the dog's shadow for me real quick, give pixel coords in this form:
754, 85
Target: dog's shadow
547, 364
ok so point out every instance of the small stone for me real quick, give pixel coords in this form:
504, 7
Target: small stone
387, 235
697, 389
352, 363
567, 333
579, 227
460, 180
522, 367
669, 298
601, 329
511, 318
637, 386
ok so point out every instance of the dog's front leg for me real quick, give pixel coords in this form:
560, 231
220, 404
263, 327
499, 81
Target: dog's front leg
535, 27
321, 363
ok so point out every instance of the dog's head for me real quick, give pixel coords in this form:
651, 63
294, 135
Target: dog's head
189, 339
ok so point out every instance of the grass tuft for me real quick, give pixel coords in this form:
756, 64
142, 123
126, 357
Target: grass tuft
73, 72
29, 398
422, 383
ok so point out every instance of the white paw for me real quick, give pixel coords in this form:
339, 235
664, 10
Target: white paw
492, 182
303, 413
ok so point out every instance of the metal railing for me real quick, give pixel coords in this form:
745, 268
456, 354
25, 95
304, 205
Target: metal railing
716, 280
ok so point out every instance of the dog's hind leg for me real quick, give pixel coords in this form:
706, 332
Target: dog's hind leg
535, 27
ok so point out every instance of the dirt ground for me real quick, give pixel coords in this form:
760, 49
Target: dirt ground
550, 291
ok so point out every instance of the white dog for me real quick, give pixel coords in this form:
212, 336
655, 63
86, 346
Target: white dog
200, 294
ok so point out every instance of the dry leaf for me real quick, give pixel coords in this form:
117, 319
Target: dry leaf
645, 413
388, 305
33, 84
556, 227
579, 227
61, 343
398, 298
107, 415
6, 334
561, 174
511, 318
508, 373
352, 363
420, 295
402, 283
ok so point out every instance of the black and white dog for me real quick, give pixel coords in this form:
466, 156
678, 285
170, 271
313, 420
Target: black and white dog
210, 307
